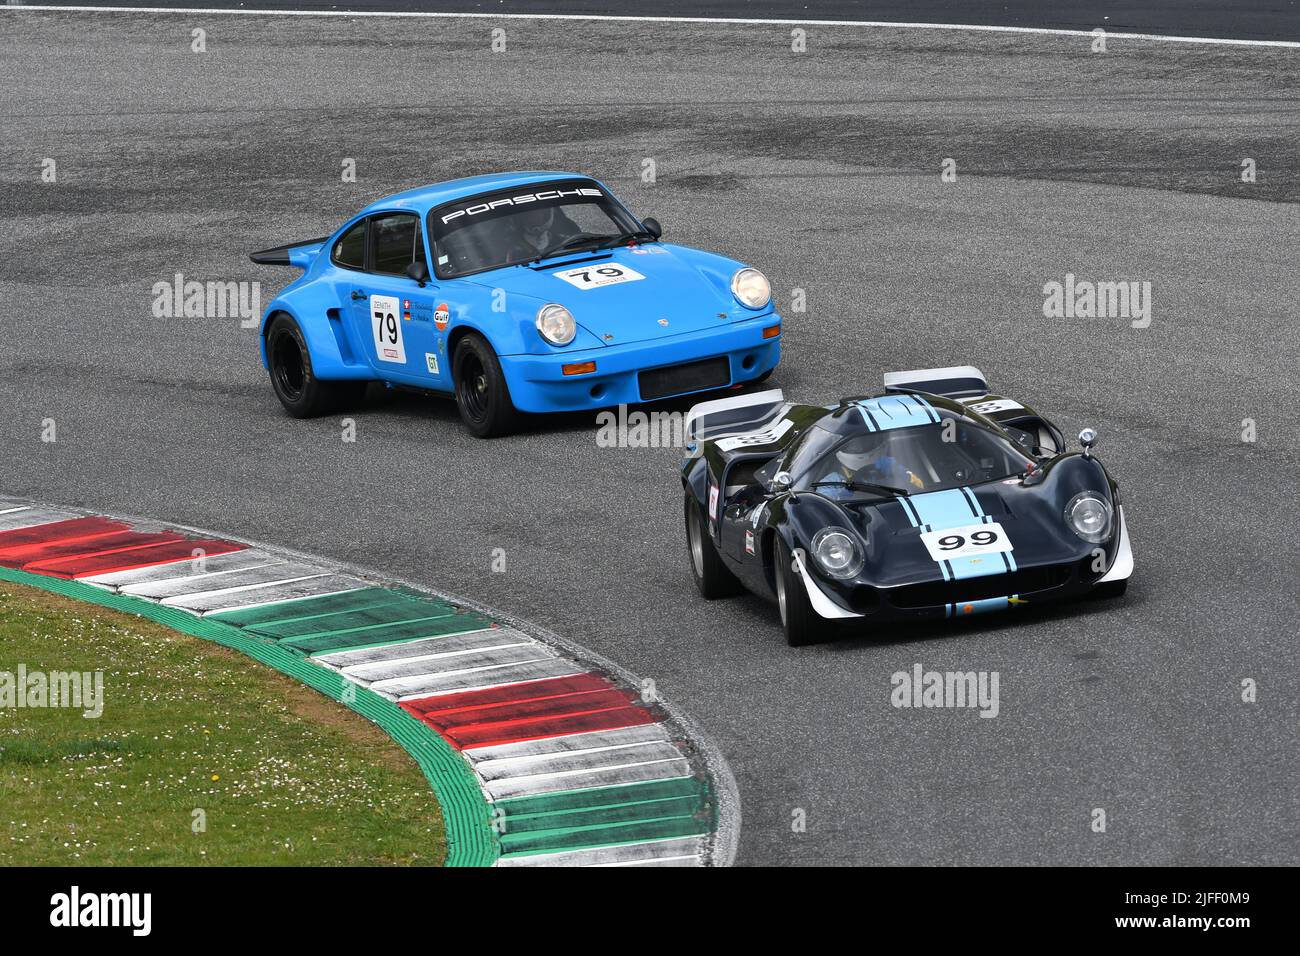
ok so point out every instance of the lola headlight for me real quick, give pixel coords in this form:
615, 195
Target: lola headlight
1089, 514
556, 324
837, 552
751, 288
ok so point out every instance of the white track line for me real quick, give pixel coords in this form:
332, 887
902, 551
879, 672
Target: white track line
736, 21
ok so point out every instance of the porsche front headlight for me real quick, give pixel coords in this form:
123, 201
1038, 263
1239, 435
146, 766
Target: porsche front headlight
751, 288
837, 552
556, 324
1089, 515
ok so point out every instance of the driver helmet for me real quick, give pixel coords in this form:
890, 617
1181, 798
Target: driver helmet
537, 225
855, 455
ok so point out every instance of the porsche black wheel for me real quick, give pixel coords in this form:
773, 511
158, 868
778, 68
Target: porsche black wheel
481, 391
301, 393
712, 577
802, 624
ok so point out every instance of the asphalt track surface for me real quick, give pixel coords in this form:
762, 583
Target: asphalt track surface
823, 169
1240, 19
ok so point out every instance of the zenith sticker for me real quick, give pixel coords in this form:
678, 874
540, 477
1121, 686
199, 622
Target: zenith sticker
593, 277
387, 329
968, 541
441, 316
431, 361
749, 542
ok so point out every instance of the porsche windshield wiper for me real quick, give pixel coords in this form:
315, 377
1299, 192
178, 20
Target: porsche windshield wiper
626, 237
572, 244
864, 486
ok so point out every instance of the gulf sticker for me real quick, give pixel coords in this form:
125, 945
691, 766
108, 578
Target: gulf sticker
441, 316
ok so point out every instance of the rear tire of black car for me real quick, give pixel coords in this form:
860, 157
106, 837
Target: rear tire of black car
482, 395
712, 577
1110, 589
301, 393
802, 624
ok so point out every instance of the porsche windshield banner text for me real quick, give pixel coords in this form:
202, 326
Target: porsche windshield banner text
548, 195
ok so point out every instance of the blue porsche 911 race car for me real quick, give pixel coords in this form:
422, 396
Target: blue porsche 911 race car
933, 499
519, 292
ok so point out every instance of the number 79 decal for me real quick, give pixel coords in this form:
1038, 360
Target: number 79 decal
966, 541
386, 325
593, 277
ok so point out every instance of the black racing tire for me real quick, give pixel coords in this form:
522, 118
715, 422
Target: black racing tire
482, 395
802, 624
713, 579
301, 393
1110, 589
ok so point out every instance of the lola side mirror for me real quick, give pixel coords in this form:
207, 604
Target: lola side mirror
418, 271
781, 482
652, 226
1088, 438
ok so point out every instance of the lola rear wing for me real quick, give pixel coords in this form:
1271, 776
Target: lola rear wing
298, 254
739, 413
958, 381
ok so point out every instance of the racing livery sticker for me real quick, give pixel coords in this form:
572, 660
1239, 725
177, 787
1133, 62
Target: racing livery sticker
441, 316
431, 362
387, 329
989, 406
749, 541
593, 277
966, 541
713, 500
406, 310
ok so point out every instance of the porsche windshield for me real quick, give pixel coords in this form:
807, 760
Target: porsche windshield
914, 460
519, 225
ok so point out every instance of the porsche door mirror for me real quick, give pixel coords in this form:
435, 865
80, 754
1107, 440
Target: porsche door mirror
418, 271
652, 226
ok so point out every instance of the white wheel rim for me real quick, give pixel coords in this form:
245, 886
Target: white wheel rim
697, 544
780, 593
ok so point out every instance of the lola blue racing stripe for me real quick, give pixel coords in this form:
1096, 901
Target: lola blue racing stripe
953, 508
896, 411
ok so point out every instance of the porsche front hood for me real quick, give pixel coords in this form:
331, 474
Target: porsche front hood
630, 294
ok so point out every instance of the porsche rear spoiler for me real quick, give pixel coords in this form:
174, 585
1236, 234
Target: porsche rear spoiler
728, 415
298, 254
958, 381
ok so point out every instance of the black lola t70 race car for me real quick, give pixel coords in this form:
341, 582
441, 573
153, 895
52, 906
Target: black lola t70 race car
933, 499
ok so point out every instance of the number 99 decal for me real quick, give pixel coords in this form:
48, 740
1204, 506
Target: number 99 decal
966, 541
386, 325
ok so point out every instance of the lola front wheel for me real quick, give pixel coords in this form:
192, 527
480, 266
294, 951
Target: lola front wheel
802, 624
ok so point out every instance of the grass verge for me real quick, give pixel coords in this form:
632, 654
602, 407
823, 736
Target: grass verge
201, 755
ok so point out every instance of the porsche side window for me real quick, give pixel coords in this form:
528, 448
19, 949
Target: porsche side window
350, 250
395, 241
